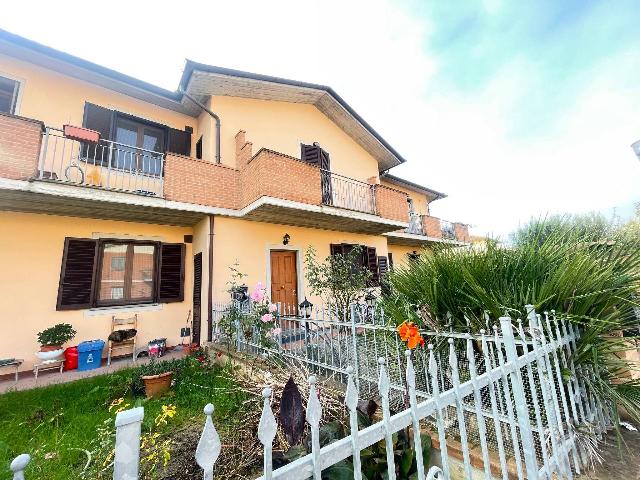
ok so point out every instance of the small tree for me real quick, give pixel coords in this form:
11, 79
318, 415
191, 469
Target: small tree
339, 279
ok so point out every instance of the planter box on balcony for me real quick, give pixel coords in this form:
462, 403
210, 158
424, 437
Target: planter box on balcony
81, 134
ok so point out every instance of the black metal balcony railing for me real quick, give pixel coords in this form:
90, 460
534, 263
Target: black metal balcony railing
106, 164
345, 192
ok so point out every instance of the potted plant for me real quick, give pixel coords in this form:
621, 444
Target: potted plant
156, 378
51, 340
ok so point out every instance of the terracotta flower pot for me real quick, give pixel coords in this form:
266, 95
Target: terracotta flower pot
156, 385
49, 348
81, 134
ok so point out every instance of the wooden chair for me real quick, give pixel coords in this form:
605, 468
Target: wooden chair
123, 324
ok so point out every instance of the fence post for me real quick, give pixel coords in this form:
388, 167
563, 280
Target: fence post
127, 452
267, 432
209, 445
314, 413
354, 341
517, 386
18, 466
351, 401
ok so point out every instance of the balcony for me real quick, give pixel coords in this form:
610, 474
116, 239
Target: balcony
42, 169
279, 188
106, 164
425, 229
345, 192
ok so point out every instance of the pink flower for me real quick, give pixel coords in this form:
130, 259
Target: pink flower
267, 317
276, 331
258, 294
272, 307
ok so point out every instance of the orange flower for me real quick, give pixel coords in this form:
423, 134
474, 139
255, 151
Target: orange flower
409, 333
403, 331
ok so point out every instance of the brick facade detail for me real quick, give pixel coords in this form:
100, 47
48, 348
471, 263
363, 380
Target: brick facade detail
273, 174
19, 146
391, 203
462, 232
201, 182
431, 226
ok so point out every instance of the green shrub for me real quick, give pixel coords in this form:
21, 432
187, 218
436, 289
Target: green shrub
588, 275
57, 335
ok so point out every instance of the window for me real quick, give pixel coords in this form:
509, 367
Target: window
149, 141
116, 272
133, 280
8, 95
368, 259
117, 293
199, 148
117, 263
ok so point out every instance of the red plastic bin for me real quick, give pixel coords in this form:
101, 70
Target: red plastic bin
71, 358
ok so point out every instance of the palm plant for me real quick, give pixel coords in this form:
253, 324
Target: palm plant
590, 277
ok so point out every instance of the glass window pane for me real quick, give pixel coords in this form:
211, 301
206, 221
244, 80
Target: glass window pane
142, 272
112, 277
8, 92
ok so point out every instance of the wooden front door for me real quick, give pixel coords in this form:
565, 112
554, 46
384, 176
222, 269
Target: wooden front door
284, 280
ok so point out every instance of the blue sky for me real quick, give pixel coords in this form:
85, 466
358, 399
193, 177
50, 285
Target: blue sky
513, 108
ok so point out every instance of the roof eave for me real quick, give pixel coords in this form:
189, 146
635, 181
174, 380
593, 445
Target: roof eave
191, 66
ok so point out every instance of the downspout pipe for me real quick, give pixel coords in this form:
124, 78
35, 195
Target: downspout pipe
210, 282
213, 115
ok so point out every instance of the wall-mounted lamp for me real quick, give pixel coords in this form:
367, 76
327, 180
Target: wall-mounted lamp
286, 238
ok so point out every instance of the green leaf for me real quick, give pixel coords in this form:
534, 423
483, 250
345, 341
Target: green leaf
340, 471
295, 452
405, 462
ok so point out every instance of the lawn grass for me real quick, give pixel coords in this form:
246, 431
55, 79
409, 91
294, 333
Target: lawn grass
55, 424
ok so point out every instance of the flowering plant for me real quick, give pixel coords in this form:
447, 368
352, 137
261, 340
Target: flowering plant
409, 333
265, 316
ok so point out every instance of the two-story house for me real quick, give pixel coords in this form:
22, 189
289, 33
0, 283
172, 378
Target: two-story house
120, 197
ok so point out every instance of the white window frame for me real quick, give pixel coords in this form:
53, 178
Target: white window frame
20, 82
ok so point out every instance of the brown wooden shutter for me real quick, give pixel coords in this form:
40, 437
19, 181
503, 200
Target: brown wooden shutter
171, 277
383, 266
390, 261
310, 154
197, 297
372, 265
75, 289
315, 155
101, 120
179, 141
336, 249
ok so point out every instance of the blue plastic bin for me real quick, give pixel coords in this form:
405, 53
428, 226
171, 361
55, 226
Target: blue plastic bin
90, 354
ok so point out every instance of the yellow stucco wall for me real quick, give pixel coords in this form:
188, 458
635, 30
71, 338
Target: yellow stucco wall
420, 200
58, 99
283, 127
400, 253
249, 243
31, 249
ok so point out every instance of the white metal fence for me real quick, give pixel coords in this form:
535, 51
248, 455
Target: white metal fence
508, 388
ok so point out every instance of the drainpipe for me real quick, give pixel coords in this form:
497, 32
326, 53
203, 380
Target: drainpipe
210, 282
215, 117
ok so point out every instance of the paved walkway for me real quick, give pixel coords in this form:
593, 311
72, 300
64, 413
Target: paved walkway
618, 464
52, 377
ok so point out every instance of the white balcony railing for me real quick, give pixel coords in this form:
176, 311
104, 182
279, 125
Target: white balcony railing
106, 164
345, 192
